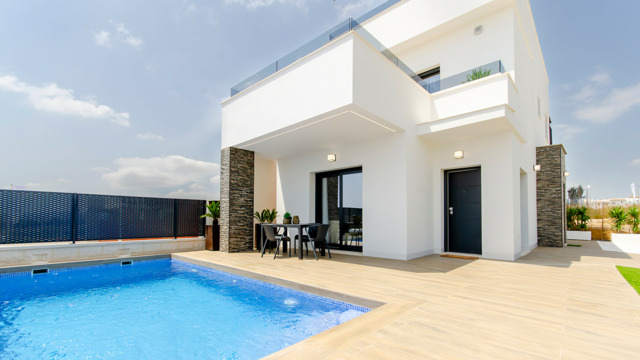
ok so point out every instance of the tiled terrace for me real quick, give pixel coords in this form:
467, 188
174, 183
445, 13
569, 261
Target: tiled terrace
555, 303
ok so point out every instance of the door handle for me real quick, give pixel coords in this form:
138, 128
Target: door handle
451, 211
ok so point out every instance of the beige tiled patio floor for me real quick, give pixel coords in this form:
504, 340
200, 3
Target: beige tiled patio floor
566, 303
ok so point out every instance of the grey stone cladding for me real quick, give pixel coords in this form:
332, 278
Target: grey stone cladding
550, 191
236, 200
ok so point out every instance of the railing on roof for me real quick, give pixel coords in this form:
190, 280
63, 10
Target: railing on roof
476, 73
320, 41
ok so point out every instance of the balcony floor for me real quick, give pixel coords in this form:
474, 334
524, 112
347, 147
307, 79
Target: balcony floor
554, 303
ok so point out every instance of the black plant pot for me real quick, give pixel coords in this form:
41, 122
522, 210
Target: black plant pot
212, 236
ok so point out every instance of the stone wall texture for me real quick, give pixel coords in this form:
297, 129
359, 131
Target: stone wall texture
550, 190
236, 200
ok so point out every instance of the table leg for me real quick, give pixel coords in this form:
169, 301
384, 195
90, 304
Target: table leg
300, 242
262, 240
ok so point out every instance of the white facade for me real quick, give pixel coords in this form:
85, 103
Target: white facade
347, 99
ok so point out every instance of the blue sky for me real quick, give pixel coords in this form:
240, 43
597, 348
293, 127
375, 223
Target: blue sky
123, 97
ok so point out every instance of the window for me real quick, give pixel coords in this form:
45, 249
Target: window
431, 80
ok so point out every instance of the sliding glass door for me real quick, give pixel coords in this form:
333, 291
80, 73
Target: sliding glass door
339, 204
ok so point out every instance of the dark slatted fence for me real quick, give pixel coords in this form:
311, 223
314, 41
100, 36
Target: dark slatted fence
34, 216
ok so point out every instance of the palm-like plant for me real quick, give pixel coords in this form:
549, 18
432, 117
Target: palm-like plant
571, 217
619, 218
476, 74
633, 219
582, 218
213, 209
266, 216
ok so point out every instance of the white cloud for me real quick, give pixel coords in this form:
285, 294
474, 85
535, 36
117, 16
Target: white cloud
63, 180
190, 9
51, 98
635, 162
357, 8
567, 131
255, 4
601, 78
103, 38
586, 93
126, 36
160, 173
149, 136
612, 105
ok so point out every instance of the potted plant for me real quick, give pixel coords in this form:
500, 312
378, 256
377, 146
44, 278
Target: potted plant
577, 219
287, 218
263, 217
621, 217
212, 232
477, 74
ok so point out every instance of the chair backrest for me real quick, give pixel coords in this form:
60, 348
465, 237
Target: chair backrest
271, 235
322, 232
312, 231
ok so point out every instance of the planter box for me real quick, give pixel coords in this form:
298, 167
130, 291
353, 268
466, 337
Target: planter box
578, 235
629, 243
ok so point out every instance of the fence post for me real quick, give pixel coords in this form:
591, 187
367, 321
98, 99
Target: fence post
175, 218
204, 219
74, 218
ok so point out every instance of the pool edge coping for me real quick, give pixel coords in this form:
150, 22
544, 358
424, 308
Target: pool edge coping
334, 295
72, 264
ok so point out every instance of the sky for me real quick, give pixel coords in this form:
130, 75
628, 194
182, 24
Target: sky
123, 97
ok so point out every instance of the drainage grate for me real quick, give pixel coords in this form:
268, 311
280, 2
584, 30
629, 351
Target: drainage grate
39, 271
127, 262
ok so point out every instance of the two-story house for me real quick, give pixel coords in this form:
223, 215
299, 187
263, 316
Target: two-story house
411, 130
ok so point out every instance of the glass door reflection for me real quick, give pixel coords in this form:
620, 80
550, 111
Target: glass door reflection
339, 204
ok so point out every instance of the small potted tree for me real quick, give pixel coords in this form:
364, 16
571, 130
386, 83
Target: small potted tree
212, 232
287, 218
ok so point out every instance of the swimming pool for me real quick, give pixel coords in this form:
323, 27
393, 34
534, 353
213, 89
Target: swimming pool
157, 309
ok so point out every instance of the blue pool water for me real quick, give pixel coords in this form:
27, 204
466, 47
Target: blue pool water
158, 309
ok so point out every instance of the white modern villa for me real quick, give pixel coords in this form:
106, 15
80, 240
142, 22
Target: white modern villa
412, 130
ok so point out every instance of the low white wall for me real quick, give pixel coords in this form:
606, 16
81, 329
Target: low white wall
578, 235
45, 253
624, 238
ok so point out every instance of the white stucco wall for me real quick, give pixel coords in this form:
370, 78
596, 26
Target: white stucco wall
264, 191
384, 189
498, 179
282, 100
403, 172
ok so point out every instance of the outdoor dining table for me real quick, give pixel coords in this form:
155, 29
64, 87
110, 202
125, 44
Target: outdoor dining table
288, 226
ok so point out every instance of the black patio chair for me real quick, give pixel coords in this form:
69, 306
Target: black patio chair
272, 236
319, 241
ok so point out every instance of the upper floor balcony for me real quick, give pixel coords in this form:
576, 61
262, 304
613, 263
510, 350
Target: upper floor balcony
349, 90
345, 87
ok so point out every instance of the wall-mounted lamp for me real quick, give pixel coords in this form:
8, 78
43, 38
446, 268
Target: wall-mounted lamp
566, 174
458, 154
331, 157
537, 167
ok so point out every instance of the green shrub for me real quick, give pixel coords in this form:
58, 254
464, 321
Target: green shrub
266, 216
476, 74
214, 210
571, 217
633, 219
582, 218
619, 217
